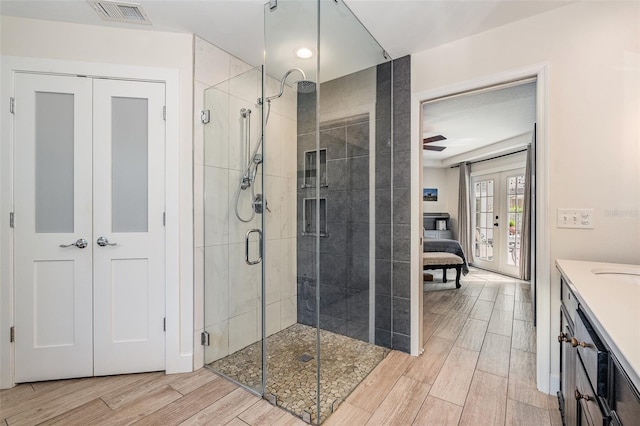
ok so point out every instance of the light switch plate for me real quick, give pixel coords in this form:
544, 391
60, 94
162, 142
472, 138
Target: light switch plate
575, 218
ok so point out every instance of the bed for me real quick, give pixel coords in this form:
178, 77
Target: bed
447, 246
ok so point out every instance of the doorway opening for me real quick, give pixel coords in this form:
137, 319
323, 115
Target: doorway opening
489, 130
443, 152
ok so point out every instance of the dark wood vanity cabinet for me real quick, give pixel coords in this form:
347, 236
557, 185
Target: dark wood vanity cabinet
594, 388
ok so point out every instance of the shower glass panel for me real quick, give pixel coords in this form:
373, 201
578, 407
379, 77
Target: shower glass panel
299, 213
234, 232
332, 128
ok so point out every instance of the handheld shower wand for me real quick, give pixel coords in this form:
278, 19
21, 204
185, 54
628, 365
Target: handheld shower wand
254, 160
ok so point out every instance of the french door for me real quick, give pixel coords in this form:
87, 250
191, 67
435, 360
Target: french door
497, 220
89, 233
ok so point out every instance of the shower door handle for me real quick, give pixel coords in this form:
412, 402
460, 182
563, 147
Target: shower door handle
246, 247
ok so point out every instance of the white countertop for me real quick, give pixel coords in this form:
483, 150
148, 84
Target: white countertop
612, 305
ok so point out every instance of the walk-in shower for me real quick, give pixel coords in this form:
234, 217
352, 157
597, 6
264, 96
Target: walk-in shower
303, 300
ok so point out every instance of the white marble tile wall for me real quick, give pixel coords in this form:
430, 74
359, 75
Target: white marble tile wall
227, 290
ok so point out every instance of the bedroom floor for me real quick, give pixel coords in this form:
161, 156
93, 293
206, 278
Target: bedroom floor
478, 367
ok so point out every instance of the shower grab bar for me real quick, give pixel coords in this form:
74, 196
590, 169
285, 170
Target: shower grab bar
246, 115
246, 247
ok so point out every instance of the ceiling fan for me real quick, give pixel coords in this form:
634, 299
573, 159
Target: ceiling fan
427, 141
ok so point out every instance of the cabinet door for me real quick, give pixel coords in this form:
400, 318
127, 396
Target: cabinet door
567, 372
589, 410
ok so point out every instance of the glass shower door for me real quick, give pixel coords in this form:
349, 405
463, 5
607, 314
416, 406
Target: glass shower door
340, 114
233, 227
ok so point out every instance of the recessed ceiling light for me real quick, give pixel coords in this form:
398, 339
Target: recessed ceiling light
304, 53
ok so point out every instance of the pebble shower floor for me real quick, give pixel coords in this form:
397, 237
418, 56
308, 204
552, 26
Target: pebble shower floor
291, 368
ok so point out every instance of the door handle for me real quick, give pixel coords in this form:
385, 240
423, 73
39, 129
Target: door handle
496, 224
80, 243
246, 247
103, 241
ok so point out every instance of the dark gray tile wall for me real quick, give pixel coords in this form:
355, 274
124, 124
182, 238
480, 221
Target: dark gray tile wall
383, 203
401, 81
306, 249
344, 253
393, 182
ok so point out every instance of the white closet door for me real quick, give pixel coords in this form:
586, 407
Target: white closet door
52, 204
128, 239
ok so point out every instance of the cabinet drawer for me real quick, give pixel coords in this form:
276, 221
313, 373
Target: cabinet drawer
569, 300
593, 354
590, 411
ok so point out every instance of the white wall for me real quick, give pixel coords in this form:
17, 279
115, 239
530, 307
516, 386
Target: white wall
593, 54
446, 180
437, 178
109, 51
227, 291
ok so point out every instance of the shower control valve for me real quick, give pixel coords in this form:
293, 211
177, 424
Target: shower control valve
259, 204
245, 182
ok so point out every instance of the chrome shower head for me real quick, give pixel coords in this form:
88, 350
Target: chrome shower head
303, 85
306, 86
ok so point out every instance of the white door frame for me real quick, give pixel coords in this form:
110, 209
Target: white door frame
177, 359
547, 381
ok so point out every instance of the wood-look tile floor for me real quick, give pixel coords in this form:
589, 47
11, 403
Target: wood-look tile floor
201, 397
478, 365
478, 368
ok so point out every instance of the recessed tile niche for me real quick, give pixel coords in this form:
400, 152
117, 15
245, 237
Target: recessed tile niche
313, 217
311, 170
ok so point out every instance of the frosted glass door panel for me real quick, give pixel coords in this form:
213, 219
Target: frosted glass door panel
130, 164
54, 138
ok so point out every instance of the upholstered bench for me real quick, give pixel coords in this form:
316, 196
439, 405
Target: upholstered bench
444, 261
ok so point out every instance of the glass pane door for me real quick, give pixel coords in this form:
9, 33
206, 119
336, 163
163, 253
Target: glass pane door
233, 230
497, 213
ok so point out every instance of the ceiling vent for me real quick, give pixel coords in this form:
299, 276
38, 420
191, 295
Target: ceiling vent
121, 12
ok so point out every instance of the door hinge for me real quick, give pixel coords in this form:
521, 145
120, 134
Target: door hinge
12, 334
205, 116
11, 219
204, 338
164, 218
12, 105
164, 113
164, 324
